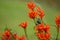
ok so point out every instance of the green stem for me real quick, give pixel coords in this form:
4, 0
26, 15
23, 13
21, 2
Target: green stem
34, 27
26, 34
57, 33
34, 21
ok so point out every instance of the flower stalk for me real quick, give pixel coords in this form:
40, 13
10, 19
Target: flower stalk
26, 34
57, 33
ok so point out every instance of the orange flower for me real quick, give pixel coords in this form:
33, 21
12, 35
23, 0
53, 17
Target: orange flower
41, 14
23, 24
7, 33
38, 35
15, 35
21, 38
3, 38
32, 14
9, 38
39, 27
57, 20
41, 36
47, 35
38, 9
31, 5
46, 28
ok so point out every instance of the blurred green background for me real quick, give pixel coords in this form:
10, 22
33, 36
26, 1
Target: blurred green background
12, 12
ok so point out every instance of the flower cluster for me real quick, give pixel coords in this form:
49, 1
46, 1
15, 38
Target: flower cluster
42, 30
8, 35
34, 13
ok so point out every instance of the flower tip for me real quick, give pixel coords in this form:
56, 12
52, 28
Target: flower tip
38, 9
23, 24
